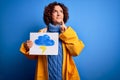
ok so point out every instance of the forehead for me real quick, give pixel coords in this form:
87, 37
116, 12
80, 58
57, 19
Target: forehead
57, 7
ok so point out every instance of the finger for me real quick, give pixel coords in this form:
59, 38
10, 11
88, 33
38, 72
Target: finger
27, 44
62, 22
28, 41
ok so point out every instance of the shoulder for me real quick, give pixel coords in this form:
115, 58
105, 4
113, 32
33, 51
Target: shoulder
43, 30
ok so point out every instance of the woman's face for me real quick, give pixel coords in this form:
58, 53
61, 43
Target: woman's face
57, 15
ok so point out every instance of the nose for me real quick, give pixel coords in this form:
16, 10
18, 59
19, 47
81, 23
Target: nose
58, 13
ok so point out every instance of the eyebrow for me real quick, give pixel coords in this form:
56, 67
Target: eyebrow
57, 10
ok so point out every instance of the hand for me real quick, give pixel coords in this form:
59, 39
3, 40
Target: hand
63, 26
28, 44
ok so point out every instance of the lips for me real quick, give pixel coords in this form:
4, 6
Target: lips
58, 18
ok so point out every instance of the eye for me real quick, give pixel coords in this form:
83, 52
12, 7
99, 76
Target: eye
54, 11
61, 11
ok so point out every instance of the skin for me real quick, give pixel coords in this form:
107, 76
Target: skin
57, 17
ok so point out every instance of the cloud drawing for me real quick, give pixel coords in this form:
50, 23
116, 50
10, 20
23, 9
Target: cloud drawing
44, 41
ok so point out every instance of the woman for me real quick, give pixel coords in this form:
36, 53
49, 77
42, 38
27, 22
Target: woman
61, 66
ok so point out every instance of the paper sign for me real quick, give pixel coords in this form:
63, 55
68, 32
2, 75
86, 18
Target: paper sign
44, 44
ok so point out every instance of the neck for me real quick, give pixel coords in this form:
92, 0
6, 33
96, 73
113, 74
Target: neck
53, 28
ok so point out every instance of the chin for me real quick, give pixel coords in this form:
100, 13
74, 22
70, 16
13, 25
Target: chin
59, 23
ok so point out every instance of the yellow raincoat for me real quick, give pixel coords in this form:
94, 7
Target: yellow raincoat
72, 46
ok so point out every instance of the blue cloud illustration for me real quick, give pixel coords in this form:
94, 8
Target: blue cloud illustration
44, 41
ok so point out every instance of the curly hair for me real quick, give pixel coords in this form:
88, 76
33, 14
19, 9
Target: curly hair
49, 9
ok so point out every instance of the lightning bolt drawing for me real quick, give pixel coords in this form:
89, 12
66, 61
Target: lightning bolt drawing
43, 49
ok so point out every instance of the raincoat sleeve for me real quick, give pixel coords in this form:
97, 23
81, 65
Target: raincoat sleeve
25, 51
72, 43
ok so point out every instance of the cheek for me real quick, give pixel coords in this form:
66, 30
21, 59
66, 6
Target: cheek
62, 15
53, 16
53, 19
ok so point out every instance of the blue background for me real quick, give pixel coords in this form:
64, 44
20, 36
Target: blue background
97, 23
